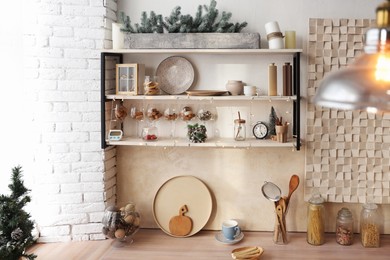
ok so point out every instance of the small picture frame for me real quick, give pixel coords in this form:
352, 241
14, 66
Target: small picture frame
129, 78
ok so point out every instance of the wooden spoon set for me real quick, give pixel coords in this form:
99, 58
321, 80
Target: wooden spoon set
273, 193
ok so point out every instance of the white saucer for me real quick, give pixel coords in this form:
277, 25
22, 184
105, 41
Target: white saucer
220, 237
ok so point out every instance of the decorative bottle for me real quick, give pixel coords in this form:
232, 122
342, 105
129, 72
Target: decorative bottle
287, 79
272, 80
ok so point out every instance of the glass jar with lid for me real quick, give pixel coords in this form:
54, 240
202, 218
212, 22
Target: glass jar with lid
239, 130
344, 227
316, 220
370, 224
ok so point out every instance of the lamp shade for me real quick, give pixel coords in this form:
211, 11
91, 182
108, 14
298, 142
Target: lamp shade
365, 84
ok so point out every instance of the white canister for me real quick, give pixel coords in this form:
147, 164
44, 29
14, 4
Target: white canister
274, 36
272, 27
276, 43
118, 37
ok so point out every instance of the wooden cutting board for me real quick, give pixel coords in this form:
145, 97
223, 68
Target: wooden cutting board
180, 225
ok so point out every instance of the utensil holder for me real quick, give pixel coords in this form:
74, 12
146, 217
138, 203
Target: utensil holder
281, 133
280, 230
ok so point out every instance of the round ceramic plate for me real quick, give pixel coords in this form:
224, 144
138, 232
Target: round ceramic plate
179, 191
176, 75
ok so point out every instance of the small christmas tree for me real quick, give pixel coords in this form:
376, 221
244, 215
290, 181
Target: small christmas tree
273, 118
15, 223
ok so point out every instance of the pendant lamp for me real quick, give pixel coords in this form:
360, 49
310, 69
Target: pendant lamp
365, 84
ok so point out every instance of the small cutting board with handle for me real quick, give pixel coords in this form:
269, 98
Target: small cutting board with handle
180, 225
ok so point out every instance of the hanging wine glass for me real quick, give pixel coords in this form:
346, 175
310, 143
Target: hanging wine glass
153, 114
186, 113
137, 112
207, 113
171, 114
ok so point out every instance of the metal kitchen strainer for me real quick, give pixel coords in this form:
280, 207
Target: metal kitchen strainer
271, 191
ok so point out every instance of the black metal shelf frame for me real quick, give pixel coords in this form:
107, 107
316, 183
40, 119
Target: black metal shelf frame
296, 91
103, 99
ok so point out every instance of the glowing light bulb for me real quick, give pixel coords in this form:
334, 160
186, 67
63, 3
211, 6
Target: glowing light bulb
382, 68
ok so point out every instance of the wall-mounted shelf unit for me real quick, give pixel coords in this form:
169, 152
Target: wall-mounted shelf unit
213, 142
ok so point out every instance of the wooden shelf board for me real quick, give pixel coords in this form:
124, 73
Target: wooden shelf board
188, 97
217, 143
205, 51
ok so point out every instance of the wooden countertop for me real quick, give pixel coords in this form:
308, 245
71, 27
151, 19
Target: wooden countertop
154, 244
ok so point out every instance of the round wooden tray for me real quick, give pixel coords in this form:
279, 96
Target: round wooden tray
179, 191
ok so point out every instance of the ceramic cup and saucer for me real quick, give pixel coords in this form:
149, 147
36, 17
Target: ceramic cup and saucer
231, 232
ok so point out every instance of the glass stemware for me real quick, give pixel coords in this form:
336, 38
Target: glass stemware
170, 114
207, 113
137, 112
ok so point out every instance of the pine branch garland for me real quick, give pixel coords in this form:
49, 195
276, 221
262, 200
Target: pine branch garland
176, 22
126, 23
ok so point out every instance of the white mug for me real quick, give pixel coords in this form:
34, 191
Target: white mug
230, 229
250, 90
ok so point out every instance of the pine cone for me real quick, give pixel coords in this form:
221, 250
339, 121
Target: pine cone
17, 234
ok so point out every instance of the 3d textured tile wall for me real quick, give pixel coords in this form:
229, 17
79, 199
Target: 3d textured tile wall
348, 152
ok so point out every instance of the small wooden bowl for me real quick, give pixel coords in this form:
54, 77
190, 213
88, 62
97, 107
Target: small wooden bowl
249, 256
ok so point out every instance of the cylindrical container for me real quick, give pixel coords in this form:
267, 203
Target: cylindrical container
287, 79
117, 36
235, 87
272, 80
274, 36
316, 221
271, 27
370, 224
239, 130
290, 40
344, 227
276, 43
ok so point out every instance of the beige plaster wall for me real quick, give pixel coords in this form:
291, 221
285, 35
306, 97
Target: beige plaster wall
234, 177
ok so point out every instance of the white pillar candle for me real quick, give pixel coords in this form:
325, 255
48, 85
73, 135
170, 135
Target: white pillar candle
117, 36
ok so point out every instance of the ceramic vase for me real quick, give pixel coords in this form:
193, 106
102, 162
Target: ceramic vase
235, 87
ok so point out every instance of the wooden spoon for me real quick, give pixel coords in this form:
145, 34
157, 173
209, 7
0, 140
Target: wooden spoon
293, 185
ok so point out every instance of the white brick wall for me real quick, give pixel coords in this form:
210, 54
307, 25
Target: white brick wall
62, 44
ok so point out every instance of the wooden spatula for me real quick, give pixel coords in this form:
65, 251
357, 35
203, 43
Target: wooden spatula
180, 225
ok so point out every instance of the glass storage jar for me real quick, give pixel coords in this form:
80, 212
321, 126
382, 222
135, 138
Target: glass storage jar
370, 224
316, 220
151, 85
121, 223
239, 130
150, 133
344, 227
